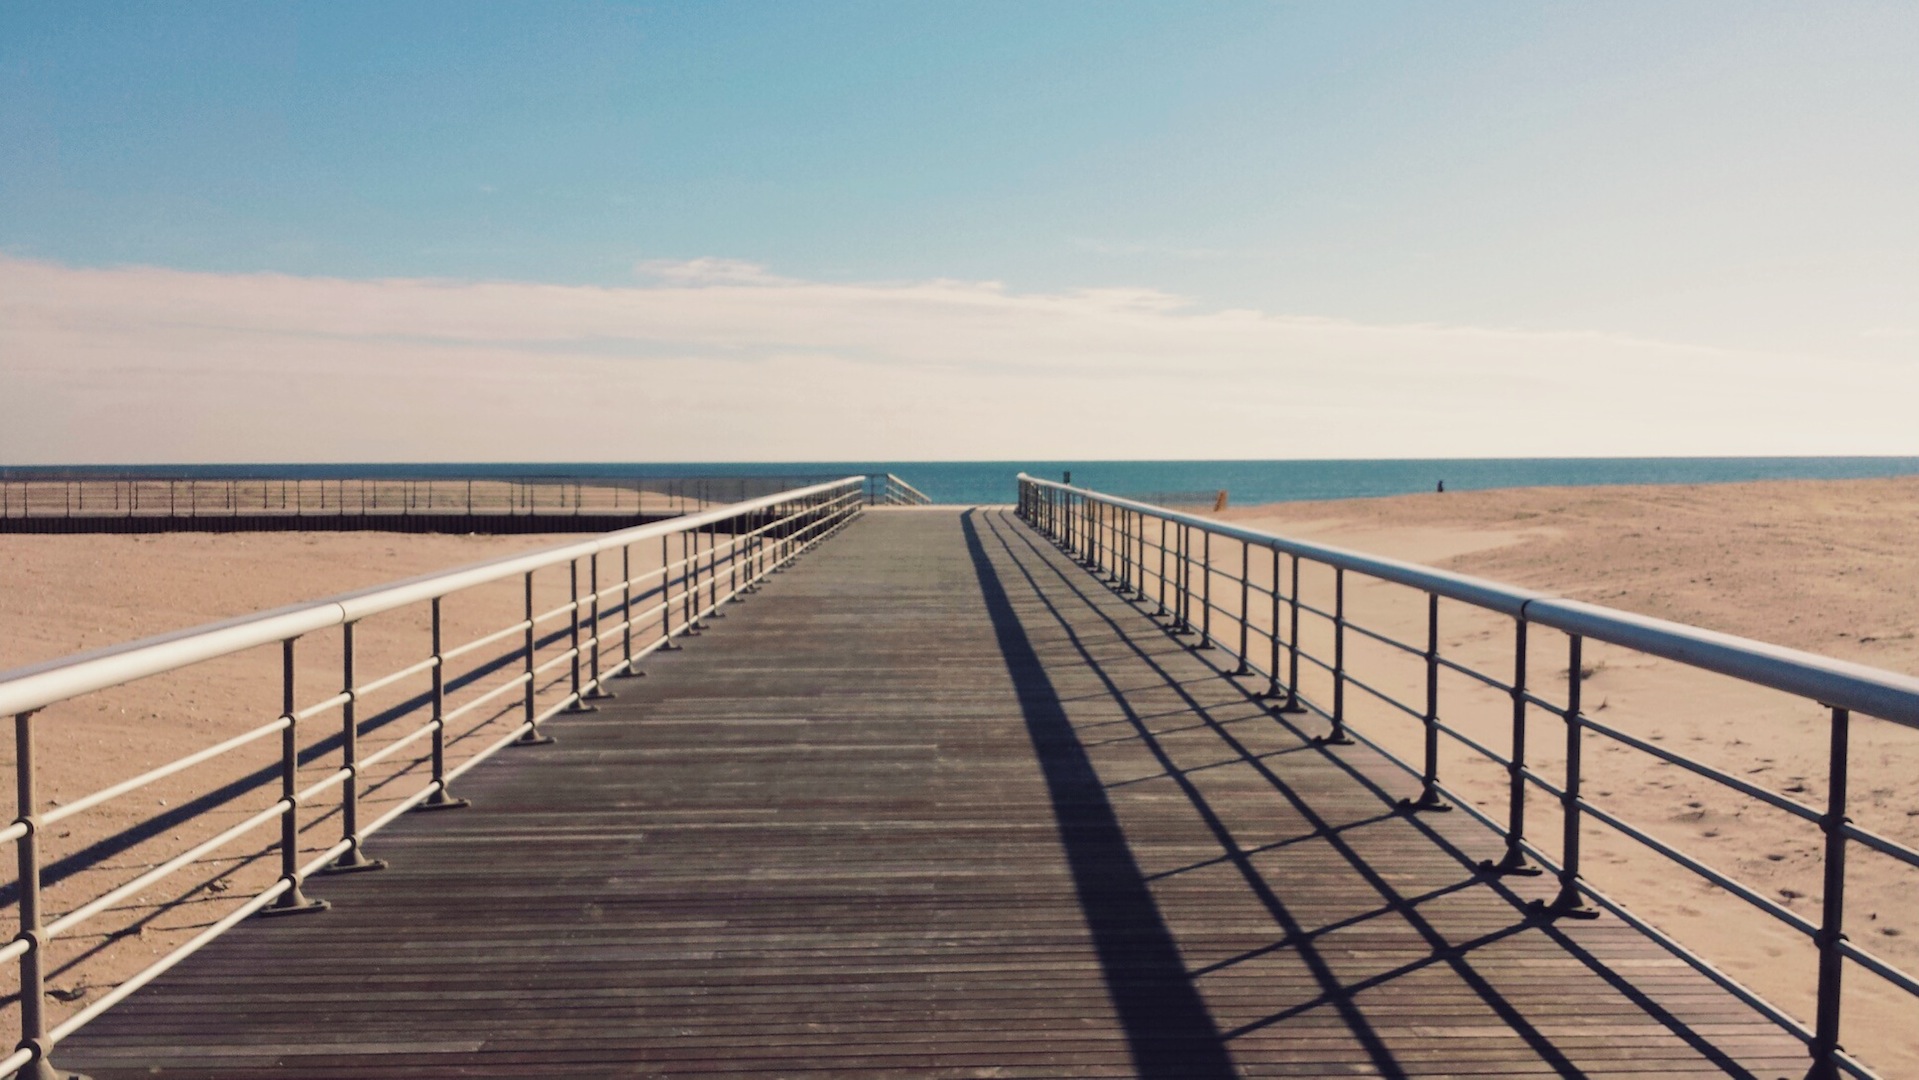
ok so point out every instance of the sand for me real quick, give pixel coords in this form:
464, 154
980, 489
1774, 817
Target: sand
1820, 565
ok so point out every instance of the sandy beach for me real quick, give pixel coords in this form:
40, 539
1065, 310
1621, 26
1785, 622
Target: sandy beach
1820, 565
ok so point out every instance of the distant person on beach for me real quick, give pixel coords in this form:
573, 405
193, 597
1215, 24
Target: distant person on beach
1442, 487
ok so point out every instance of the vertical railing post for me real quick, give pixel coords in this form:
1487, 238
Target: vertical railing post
532, 736
666, 596
1832, 923
1429, 798
1569, 902
353, 859
1337, 736
1206, 589
441, 799
1245, 604
33, 985
1292, 644
1160, 577
1272, 636
292, 901
626, 609
1514, 861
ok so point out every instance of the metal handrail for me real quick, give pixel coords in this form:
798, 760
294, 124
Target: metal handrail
886, 489
713, 569
1109, 535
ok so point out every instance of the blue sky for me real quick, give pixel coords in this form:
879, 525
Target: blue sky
1702, 175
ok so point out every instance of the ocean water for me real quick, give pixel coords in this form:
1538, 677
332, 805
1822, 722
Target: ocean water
1154, 481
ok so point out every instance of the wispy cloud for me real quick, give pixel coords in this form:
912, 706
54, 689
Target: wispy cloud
715, 359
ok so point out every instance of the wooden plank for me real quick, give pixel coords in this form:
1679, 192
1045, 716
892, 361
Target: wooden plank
933, 801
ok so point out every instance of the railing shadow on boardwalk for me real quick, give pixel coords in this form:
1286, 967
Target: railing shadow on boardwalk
1154, 991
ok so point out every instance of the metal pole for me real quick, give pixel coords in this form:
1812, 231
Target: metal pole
1337, 736
1832, 924
33, 987
1272, 636
1292, 646
1245, 602
532, 736
441, 799
353, 859
1514, 861
1161, 613
597, 689
626, 606
1568, 902
666, 597
573, 632
1429, 776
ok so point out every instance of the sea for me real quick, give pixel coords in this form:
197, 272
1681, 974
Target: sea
1179, 482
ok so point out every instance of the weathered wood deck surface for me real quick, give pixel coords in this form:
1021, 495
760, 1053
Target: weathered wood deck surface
934, 802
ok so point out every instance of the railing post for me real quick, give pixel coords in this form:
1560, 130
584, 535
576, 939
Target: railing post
352, 860
292, 901
441, 799
1337, 736
1569, 902
1292, 645
33, 986
1832, 923
1272, 636
1245, 603
626, 609
1206, 589
532, 736
596, 687
1514, 861
666, 596
1429, 798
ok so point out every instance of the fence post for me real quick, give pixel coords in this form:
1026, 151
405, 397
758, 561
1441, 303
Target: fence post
1832, 923
441, 799
33, 986
1272, 637
1161, 603
532, 736
352, 860
1514, 861
1245, 603
292, 901
1569, 902
1337, 736
1429, 798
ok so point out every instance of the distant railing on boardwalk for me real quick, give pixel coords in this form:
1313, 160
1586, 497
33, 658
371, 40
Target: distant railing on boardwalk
540, 664
885, 489
1173, 560
94, 497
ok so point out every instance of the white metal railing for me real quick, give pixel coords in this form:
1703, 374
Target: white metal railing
1167, 557
885, 489
722, 553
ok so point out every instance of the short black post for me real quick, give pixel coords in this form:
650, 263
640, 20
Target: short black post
1292, 646
1832, 923
1245, 602
1570, 903
292, 901
1161, 602
532, 736
1429, 798
353, 860
1514, 861
441, 799
1272, 636
1337, 736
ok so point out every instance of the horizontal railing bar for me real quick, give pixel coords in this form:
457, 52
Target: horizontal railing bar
1879, 967
1385, 697
1883, 845
385, 681
319, 707
1384, 640
397, 745
1783, 914
101, 903
61, 813
1453, 665
1771, 798
556, 661
124, 990
482, 642
325, 782
34, 687
1479, 748
513, 684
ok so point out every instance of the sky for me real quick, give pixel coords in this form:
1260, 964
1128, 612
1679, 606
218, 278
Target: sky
714, 231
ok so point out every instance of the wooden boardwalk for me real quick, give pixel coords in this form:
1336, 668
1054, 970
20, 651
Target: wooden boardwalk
933, 802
